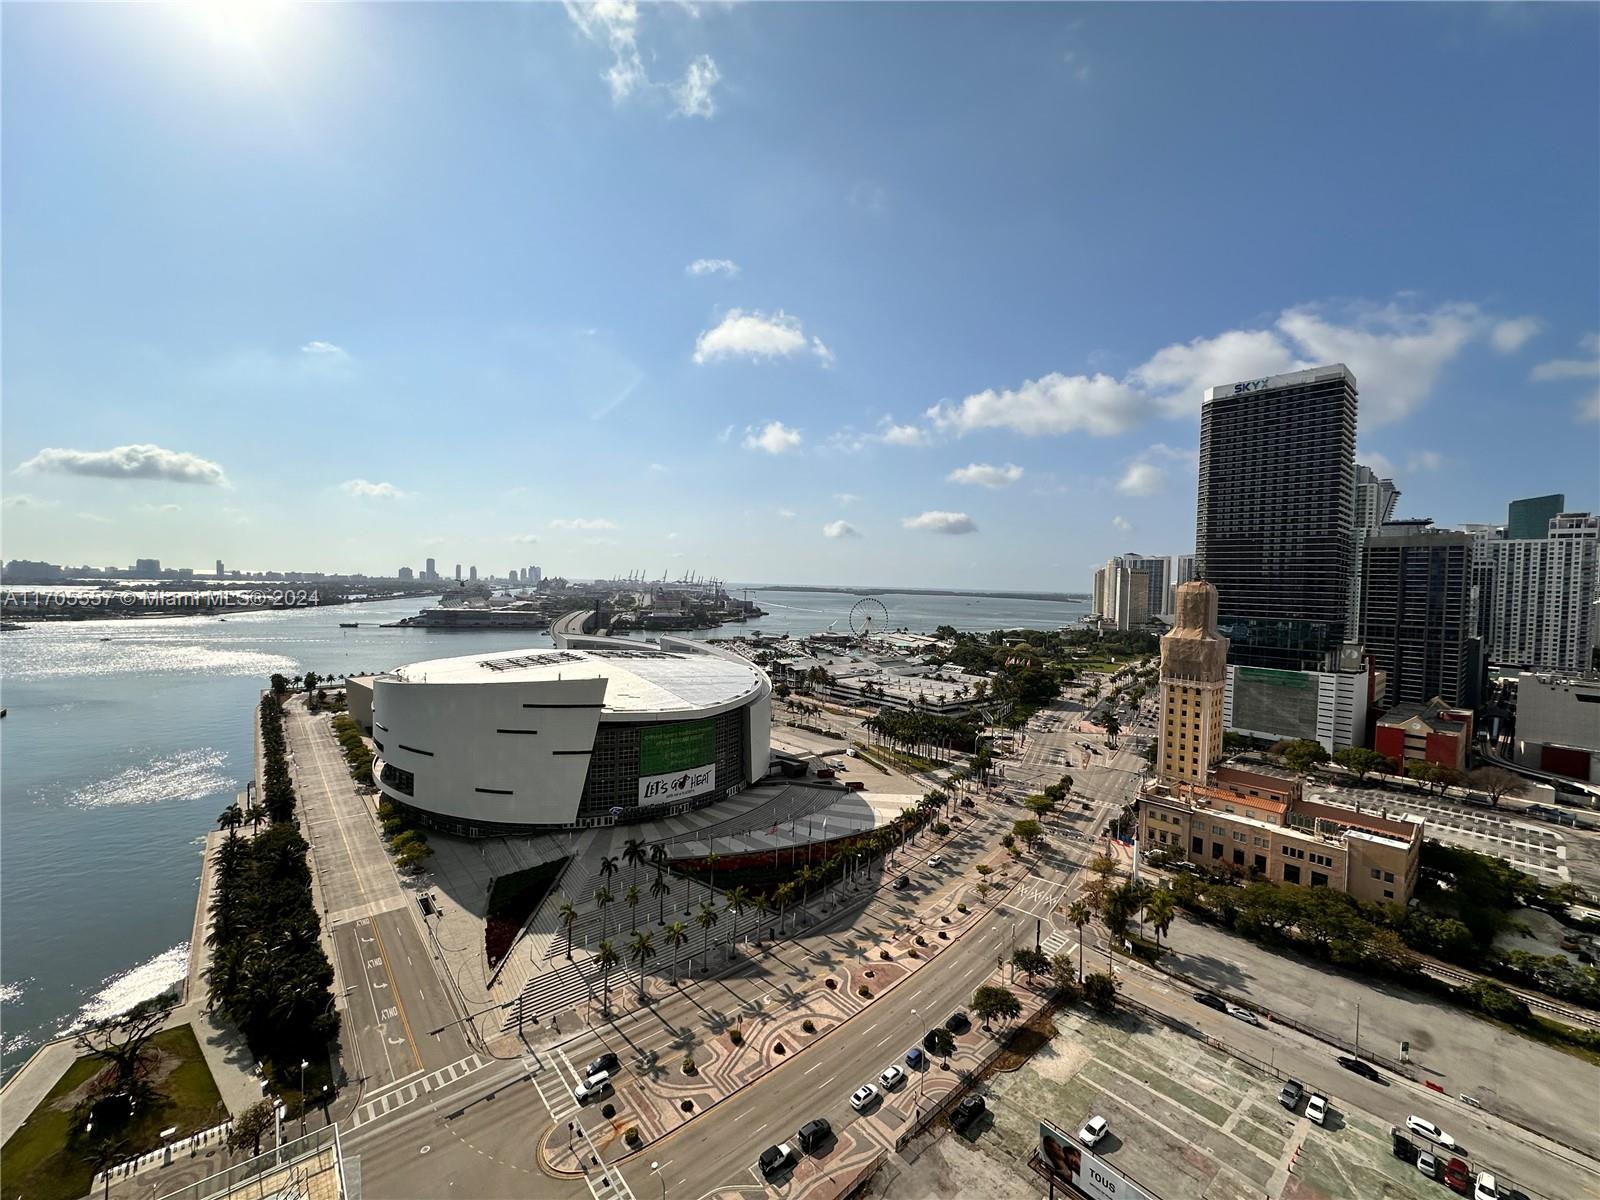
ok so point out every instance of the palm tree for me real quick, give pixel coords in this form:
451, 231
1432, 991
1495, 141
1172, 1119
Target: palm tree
1078, 913
606, 958
711, 872
676, 934
1161, 908
603, 897
784, 897
633, 853
568, 913
706, 918
632, 897
806, 877
661, 889
230, 819
763, 906
642, 949
736, 901
658, 856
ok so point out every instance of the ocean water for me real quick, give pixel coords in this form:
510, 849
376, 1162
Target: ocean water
125, 739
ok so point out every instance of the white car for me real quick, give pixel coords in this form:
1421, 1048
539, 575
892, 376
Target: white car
1485, 1188
863, 1096
891, 1078
1430, 1131
1093, 1130
597, 1084
936, 861
1244, 1014
1317, 1108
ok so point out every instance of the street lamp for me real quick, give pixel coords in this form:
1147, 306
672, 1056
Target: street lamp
303, 1065
656, 1167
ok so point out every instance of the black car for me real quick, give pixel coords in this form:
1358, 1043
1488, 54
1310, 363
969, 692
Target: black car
813, 1133
606, 1062
903, 882
1365, 1070
1404, 1150
773, 1159
1211, 1001
964, 1113
1290, 1094
957, 1022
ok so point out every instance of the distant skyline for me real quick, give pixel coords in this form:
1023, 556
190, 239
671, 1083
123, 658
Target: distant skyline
916, 295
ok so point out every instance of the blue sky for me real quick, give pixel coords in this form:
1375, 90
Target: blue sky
907, 294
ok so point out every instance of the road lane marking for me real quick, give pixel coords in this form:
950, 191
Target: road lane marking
395, 992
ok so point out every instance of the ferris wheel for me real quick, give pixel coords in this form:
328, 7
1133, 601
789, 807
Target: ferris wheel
867, 616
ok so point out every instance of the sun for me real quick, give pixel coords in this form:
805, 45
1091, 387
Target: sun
248, 26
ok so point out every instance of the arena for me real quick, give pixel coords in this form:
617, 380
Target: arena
596, 732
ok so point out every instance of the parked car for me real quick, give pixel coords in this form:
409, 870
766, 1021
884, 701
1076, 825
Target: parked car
1428, 1165
863, 1096
915, 1058
1484, 1187
957, 1022
903, 882
1211, 1001
936, 861
1365, 1070
1243, 1014
1404, 1149
813, 1133
774, 1158
892, 1078
1317, 1108
1289, 1095
606, 1063
1430, 1131
1093, 1130
967, 1111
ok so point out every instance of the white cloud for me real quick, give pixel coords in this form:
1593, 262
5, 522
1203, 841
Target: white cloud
616, 22
693, 96
774, 437
1424, 460
165, 509
25, 500
756, 335
941, 522
824, 355
786, 514
1121, 523
903, 435
323, 350
845, 497
656, 467
583, 524
984, 475
1512, 335
1588, 409
95, 517
713, 266
1179, 374
140, 461
1142, 479
1053, 404
1378, 464
525, 539
840, 529
368, 490
727, 432
1567, 368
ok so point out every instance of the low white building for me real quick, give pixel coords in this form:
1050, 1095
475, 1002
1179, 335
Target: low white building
598, 733
1558, 726
1322, 706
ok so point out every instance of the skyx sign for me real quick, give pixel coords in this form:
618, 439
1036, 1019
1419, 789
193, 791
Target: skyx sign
1255, 385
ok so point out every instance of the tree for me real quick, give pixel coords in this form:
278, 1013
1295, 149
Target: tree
735, 902
1064, 976
1029, 831
1039, 806
983, 890
230, 819
121, 1041
280, 684
1160, 908
1361, 762
1079, 914
990, 1002
707, 919
606, 958
1495, 782
310, 682
1100, 990
634, 854
250, 1126
603, 898
661, 889
1302, 754
642, 949
783, 897
632, 897
1499, 1002
676, 934
568, 913
1030, 962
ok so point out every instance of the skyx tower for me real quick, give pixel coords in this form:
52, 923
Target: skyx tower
1275, 515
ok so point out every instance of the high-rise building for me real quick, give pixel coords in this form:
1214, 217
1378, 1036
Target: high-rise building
1540, 612
1529, 519
1194, 676
472, 574
1275, 514
1375, 500
1416, 612
535, 576
1097, 598
147, 568
219, 568
458, 572
1179, 573
1123, 590
431, 571
404, 574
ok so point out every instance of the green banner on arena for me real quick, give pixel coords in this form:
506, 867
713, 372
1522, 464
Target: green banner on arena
677, 747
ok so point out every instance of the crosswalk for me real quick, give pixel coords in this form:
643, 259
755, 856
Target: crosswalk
553, 1078
550, 992
406, 1092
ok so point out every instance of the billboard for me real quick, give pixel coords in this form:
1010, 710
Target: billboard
1071, 1163
677, 762
1276, 703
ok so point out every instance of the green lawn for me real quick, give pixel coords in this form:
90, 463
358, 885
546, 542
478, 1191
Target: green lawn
39, 1163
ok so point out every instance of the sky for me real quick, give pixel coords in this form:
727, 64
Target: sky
887, 294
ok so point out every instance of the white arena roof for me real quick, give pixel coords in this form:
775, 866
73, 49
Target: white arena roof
639, 680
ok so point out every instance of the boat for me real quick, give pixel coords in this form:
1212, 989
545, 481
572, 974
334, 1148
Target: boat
349, 624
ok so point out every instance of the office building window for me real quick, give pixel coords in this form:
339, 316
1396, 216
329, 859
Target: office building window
1238, 858
1291, 873
1318, 879
1216, 849
1197, 845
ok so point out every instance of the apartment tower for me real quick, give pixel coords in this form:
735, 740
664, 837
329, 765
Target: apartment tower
1194, 673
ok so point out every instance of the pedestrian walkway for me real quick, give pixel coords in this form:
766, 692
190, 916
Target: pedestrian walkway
406, 1092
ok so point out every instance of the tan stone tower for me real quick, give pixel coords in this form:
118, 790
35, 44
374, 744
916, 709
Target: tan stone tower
1194, 671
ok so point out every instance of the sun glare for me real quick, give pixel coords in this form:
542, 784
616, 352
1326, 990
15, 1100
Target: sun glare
242, 25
